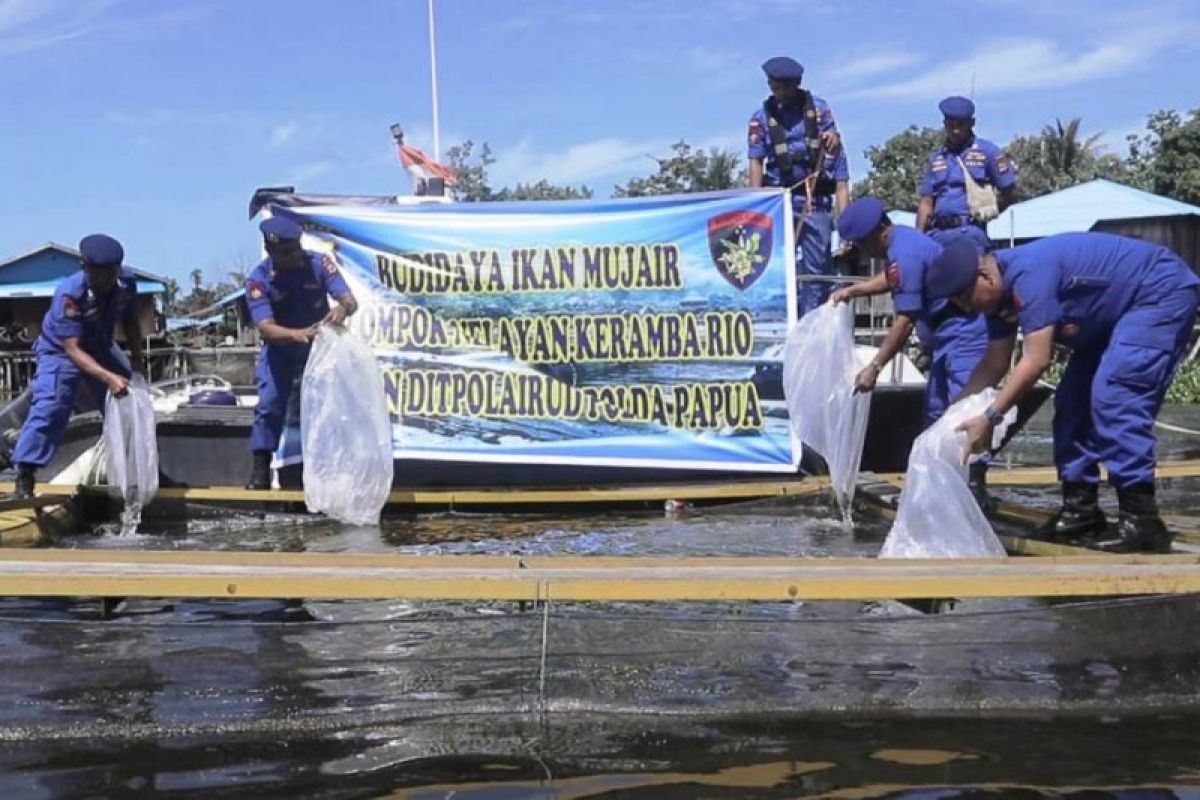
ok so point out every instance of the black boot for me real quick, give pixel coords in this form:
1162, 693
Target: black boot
977, 483
260, 473
1079, 518
26, 475
1140, 529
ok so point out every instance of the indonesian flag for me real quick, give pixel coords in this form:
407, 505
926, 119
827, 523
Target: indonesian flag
421, 167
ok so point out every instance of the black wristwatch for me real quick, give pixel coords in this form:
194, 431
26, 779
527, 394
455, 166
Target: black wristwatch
993, 416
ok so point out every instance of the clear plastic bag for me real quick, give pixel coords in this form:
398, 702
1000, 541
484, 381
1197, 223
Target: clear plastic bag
937, 516
346, 430
131, 451
819, 367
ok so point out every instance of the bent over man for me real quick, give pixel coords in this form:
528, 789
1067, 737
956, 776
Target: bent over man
76, 346
956, 338
288, 295
1126, 309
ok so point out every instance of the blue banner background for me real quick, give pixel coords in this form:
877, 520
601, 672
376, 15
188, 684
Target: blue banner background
383, 249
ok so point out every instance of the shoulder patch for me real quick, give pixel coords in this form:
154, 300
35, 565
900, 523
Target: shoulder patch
893, 274
255, 290
330, 265
1003, 163
755, 133
70, 308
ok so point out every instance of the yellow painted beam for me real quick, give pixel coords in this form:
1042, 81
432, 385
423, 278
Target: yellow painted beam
727, 489
382, 576
731, 489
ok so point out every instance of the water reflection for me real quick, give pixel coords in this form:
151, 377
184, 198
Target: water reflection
358, 699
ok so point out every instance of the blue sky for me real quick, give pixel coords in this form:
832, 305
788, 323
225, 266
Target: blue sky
155, 120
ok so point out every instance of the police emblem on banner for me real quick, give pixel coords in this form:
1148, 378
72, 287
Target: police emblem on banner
741, 243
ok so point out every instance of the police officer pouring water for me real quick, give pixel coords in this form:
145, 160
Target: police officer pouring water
967, 180
1126, 309
794, 143
956, 338
288, 295
76, 346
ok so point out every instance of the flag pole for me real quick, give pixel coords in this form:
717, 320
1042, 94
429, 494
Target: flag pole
437, 139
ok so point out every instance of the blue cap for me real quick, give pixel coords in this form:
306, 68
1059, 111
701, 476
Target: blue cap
280, 229
782, 68
860, 219
953, 271
957, 108
99, 250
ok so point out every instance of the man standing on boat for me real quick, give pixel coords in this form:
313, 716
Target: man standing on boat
76, 345
288, 295
1126, 309
968, 181
793, 142
956, 338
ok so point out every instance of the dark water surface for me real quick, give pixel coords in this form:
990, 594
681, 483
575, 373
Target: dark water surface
498, 700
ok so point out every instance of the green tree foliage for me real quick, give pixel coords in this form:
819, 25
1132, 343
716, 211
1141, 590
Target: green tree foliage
688, 170
897, 166
473, 184
1166, 160
1058, 157
543, 190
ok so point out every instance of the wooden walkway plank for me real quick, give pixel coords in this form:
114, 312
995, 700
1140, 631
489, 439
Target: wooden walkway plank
701, 489
348, 576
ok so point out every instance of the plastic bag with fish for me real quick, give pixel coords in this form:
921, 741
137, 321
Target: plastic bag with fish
131, 450
345, 428
826, 414
937, 516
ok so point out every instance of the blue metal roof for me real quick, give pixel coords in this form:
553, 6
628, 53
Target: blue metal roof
187, 323
1078, 208
10, 291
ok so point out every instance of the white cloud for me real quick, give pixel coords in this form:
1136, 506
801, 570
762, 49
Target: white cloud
283, 133
28, 25
1022, 63
306, 172
854, 68
587, 162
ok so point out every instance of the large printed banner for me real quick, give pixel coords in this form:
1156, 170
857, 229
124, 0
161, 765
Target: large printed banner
622, 332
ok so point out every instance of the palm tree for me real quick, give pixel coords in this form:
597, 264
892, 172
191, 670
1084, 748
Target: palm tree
722, 170
1064, 155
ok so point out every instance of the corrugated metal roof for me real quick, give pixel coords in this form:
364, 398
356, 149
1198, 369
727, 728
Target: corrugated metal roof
185, 323
1078, 208
12, 291
73, 253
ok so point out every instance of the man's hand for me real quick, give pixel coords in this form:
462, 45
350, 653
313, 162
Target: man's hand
117, 385
304, 335
865, 380
336, 315
843, 295
831, 141
979, 435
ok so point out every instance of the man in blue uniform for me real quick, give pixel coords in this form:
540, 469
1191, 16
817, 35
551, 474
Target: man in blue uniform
1126, 309
288, 295
793, 142
76, 345
956, 338
945, 210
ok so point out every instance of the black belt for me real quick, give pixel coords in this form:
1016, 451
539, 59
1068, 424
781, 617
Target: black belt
948, 312
949, 223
